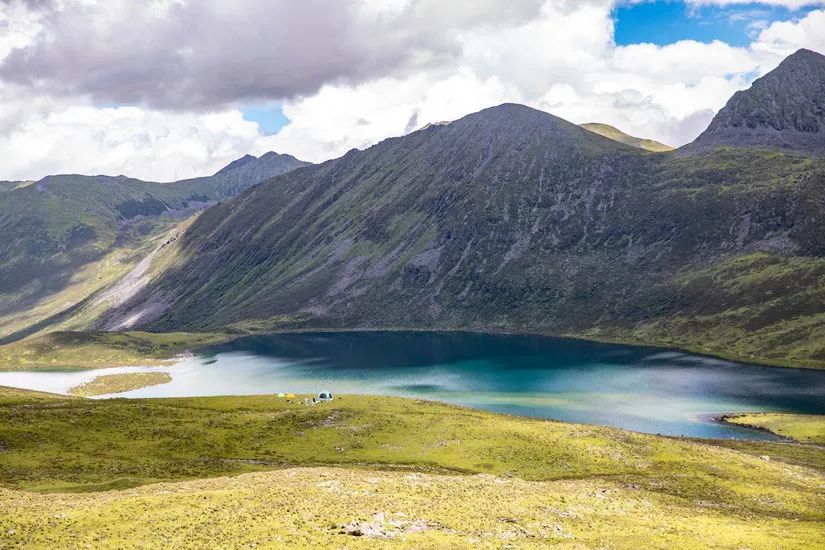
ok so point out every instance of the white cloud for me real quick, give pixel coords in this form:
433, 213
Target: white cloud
785, 37
207, 54
54, 137
665, 92
560, 58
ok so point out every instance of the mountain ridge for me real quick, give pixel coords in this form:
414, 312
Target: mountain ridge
512, 219
784, 109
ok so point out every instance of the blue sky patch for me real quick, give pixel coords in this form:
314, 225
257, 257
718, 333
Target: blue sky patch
270, 118
664, 22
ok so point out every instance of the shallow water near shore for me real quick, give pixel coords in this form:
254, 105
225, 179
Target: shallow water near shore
638, 388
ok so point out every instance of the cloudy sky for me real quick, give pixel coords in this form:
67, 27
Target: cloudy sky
165, 89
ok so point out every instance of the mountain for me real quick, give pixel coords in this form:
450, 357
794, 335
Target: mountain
404, 233
9, 185
507, 219
617, 135
246, 159
785, 109
513, 219
66, 236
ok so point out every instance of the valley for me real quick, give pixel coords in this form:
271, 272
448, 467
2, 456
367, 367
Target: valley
536, 333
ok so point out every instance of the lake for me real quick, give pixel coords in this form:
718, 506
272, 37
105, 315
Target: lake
644, 389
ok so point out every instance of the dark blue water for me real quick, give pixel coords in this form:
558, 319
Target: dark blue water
643, 389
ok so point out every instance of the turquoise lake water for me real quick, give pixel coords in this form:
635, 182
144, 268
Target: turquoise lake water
643, 389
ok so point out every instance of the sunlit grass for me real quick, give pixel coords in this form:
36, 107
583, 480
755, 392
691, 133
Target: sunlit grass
807, 428
423, 474
119, 383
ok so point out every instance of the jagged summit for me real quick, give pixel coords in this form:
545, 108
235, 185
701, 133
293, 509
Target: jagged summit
246, 159
785, 109
250, 166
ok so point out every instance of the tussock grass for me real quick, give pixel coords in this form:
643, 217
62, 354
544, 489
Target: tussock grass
306, 507
469, 477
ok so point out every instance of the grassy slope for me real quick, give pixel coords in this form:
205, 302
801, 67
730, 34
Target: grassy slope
553, 481
9, 393
100, 349
807, 428
757, 308
66, 237
119, 383
73, 306
617, 135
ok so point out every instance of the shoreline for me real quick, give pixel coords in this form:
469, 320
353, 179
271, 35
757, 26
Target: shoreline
514, 332
726, 418
717, 418
228, 337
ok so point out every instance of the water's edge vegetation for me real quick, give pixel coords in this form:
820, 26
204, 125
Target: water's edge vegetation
119, 383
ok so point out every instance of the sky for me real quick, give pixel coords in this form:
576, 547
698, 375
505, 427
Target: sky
167, 89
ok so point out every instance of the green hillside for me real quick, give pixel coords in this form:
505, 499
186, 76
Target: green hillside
65, 237
617, 135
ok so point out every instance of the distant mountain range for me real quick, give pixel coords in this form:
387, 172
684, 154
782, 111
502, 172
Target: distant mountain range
66, 236
513, 219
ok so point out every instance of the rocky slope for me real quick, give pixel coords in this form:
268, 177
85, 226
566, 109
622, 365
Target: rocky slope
784, 109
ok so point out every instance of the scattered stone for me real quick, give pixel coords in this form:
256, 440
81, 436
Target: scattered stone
362, 529
508, 520
383, 525
331, 419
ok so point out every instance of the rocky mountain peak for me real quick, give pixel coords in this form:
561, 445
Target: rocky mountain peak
246, 159
785, 109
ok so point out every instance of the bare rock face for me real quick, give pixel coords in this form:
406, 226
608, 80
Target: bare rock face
785, 109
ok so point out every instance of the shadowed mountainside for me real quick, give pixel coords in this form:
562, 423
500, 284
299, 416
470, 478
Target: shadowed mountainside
513, 219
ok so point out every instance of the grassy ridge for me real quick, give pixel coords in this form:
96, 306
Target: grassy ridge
807, 428
617, 135
86, 350
66, 237
119, 383
541, 480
